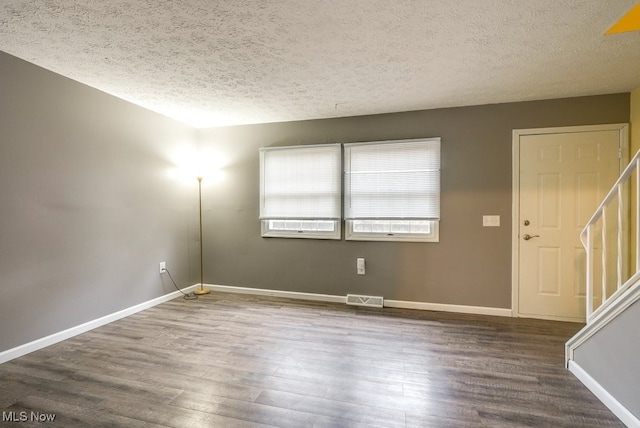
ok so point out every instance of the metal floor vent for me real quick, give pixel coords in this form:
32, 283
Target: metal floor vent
358, 300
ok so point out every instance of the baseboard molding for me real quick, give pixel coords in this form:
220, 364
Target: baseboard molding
628, 418
278, 293
443, 307
27, 348
342, 299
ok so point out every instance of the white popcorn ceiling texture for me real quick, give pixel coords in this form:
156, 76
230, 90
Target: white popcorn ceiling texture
212, 63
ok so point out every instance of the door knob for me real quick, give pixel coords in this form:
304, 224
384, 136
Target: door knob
526, 236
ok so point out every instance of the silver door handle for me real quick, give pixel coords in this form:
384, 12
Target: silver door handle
526, 236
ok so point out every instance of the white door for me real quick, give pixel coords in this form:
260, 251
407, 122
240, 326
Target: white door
562, 178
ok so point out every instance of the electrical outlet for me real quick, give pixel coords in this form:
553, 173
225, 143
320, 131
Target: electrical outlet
360, 265
163, 267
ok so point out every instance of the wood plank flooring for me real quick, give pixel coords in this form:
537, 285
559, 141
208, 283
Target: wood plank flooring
232, 360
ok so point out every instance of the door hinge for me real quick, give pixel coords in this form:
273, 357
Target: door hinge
619, 152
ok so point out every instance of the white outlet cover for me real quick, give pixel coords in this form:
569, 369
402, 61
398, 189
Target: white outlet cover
491, 220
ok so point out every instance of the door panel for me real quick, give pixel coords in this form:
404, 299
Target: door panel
549, 271
549, 188
562, 178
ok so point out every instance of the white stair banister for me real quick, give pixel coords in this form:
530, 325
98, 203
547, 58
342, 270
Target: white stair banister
623, 279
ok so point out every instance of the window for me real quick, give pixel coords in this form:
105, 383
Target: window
392, 190
300, 190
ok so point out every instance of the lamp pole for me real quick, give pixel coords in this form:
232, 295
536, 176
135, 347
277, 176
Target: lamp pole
201, 289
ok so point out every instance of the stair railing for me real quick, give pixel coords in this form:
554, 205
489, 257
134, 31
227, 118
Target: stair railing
608, 232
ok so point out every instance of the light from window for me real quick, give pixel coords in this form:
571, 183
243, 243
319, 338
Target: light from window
391, 227
301, 225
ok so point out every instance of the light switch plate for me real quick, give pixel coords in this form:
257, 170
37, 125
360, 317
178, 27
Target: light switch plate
491, 220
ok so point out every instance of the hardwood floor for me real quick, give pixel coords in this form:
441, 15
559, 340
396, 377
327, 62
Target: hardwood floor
231, 360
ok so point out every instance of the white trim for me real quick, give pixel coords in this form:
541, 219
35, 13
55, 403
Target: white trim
443, 307
479, 310
410, 140
622, 129
278, 293
54, 338
628, 418
572, 129
330, 175
515, 223
551, 318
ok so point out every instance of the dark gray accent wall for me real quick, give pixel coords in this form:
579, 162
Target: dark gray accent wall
471, 265
88, 207
610, 357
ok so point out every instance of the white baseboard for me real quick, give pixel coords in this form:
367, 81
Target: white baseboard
443, 307
278, 293
628, 418
27, 348
342, 299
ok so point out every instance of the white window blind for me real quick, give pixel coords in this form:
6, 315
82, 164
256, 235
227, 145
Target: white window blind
393, 180
301, 182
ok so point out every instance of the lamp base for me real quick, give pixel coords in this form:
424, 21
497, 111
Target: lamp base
201, 291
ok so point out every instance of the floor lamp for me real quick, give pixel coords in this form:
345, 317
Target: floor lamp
201, 290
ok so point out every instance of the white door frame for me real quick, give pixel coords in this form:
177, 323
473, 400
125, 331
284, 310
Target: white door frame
623, 132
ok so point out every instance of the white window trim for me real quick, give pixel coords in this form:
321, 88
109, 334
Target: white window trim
351, 235
335, 234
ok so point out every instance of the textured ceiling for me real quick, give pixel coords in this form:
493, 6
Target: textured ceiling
212, 63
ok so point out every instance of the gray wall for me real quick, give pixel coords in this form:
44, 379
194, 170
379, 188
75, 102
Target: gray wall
471, 265
611, 358
87, 207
